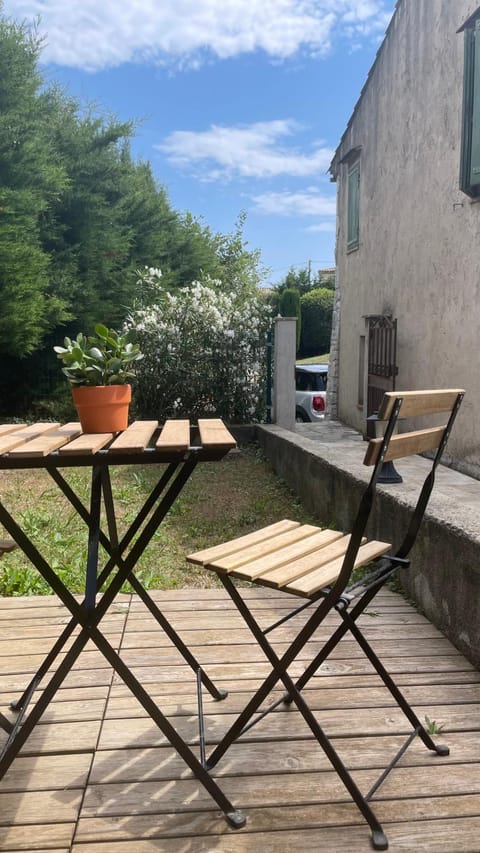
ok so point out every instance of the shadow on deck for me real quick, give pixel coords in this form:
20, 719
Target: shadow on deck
96, 776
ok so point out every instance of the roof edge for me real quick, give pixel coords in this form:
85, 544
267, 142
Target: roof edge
333, 170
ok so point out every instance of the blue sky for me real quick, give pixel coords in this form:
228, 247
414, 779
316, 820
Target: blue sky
240, 103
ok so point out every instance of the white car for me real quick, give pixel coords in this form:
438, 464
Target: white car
310, 392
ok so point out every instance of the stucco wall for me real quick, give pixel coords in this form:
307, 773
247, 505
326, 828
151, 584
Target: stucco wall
419, 252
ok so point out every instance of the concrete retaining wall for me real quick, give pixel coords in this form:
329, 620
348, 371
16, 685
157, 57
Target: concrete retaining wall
444, 579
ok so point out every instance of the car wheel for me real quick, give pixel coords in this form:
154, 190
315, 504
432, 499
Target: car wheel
300, 418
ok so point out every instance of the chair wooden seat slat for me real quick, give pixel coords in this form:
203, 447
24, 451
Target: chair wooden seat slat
327, 575
318, 565
267, 546
280, 561
297, 568
209, 555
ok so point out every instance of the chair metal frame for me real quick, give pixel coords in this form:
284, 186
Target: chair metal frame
349, 601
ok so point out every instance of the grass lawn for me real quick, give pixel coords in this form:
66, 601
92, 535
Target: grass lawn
222, 500
315, 359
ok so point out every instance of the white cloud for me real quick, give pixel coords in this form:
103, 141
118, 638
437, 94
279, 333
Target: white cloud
248, 151
92, 35
295, 204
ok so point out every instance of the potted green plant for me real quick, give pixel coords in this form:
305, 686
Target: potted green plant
99, 368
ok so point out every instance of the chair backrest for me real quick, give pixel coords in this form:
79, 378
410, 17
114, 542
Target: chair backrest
411, 404
404, 405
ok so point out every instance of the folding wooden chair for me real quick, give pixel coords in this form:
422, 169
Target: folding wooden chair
317, 564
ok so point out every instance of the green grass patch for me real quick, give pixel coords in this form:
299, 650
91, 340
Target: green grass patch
315, 359
221, 501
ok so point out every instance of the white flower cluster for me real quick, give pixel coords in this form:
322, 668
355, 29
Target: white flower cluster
204, 352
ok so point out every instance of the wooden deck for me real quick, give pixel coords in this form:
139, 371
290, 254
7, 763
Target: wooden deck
96, 777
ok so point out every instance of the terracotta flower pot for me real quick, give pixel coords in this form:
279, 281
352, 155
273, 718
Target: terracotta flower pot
102, 408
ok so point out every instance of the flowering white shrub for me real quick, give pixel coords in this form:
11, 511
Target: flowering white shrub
204, 351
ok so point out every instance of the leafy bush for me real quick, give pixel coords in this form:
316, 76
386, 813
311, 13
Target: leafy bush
289, 306
317, 310
204, 352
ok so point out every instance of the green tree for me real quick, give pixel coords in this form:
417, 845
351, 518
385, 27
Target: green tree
30, 179
317, 310
296, 279
78, 217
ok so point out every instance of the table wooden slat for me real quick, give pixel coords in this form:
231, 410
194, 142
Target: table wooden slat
7, 428
24, 434
214, 434
135, 438
32, 430
86, 444
175, 435
42, 445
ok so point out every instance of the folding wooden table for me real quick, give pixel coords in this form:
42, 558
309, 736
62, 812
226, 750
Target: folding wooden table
177, 447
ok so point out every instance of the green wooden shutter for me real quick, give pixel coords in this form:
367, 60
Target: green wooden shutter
468, 65
470, 156
353, 202
475, 146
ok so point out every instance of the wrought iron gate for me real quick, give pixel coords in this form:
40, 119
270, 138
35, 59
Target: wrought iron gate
382, 359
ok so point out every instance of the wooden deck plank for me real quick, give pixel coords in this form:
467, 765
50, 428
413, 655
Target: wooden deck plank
140, 731
432, 836
206, 824
96, 774
246, 758
260, 790
48, 772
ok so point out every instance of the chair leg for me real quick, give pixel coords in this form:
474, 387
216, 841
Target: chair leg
349, 625
389, 683
279, 672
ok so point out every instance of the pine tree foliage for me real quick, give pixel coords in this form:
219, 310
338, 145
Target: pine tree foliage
78, 217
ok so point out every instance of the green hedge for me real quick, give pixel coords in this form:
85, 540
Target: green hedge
317, 310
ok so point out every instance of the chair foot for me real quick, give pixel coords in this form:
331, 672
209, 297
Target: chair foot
236, 819
221, 694
379, 840
442, 749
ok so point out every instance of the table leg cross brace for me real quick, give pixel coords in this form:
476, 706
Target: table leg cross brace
89, 614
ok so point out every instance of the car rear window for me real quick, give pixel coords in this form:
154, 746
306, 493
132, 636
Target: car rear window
306, 381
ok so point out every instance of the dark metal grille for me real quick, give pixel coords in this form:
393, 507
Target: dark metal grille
382, 357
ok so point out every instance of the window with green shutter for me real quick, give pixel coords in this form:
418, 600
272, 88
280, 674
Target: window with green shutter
470, 157
353, 207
